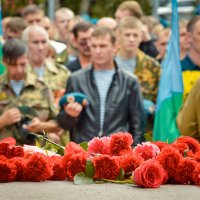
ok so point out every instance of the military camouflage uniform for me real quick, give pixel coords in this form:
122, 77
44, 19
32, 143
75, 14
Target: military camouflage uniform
148, 72
35, 100
55, 76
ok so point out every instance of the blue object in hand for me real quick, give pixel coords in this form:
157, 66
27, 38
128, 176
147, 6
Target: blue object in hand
73, 97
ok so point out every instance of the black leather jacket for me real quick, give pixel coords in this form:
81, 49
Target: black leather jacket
124, 107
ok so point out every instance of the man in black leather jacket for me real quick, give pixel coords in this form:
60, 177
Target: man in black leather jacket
113, 95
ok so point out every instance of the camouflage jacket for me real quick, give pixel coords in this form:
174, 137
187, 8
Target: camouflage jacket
35, 100
148, 72
55, 77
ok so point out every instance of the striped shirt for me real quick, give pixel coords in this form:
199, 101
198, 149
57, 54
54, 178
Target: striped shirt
40, 72
17, 86
126, 64
103, 80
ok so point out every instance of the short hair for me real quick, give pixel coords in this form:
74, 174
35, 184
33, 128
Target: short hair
33, 28
81, 27
16, 24
64, 10
31, 9
165, 32
107, 22
12, 50
183, 23
192, 22
102, 31
130, 22
133, 7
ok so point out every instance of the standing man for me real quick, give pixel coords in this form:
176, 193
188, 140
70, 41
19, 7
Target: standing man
131, 59
33, 15
191, 63
82, 33
62, 18
14, 28
25, 102
188, 119
53, 75
113, 95
133, 8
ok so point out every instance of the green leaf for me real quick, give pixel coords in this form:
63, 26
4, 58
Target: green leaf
82, 179
84, 145
120, 177
89, 169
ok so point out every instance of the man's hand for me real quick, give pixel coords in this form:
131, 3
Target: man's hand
10, 117
73, 109
35, 125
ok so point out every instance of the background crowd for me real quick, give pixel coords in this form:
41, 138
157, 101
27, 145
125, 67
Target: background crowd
115, 63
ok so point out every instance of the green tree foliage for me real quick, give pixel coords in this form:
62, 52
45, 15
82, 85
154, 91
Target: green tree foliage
108, 7
100, 8
97, 8
72, 4
14, 7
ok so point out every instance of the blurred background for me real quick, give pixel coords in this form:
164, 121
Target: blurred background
94, 9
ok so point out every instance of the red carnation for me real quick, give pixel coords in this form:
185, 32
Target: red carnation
73, 148
8, 171
76, 164
147, 150
169, 158
184, 172
119, 142
106, 167
126, 152
17, 151
10, 140
59, 173
10, 151
149, 174
3, 158
5, 150
130, 163
196, 175
197, 156
160, 145
37, 168
191, 142
181, 147
99, 146
20, 163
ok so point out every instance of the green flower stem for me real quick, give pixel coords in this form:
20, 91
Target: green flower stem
47, 140
127, 181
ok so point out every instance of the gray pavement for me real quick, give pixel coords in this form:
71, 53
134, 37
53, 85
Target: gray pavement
61, 190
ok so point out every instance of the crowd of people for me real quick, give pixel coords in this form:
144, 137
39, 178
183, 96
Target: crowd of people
115, 63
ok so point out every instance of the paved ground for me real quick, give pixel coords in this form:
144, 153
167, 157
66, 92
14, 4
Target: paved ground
63, 190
